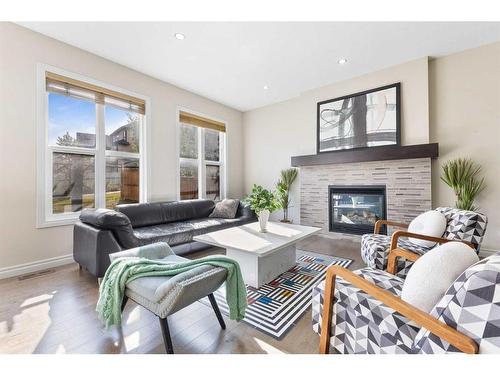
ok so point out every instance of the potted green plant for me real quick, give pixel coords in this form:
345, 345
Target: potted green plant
463, 176
287, 178
262, 202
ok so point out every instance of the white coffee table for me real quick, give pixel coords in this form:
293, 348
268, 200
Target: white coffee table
261, 256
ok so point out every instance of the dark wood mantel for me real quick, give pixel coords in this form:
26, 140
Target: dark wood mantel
392, 152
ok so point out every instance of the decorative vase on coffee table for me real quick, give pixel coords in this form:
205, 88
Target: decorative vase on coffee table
263, 218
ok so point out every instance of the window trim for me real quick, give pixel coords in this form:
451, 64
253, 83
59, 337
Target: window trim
44, 216
202, 163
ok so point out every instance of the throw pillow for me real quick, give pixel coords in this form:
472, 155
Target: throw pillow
430, 223
434, 272
225, 209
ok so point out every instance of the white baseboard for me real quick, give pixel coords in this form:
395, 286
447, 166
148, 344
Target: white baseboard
39, 265
487, 252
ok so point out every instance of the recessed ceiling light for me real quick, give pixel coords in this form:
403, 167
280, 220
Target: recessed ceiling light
342, 61
266, 87
179, 36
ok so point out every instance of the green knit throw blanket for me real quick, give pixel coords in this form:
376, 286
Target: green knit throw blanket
124, 270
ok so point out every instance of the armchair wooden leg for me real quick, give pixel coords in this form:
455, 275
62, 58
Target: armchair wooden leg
167, 340
213, 302
326, 322
391, 264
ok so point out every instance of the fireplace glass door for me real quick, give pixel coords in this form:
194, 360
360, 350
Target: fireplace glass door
356, 209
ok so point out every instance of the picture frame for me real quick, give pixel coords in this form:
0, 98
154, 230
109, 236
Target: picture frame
364, 119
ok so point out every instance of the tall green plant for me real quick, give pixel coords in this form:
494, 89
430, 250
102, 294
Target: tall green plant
463, 176
287, 178
262, 199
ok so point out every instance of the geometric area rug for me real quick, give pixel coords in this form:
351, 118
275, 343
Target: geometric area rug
274, 308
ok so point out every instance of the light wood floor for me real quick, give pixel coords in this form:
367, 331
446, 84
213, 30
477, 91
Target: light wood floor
55, 313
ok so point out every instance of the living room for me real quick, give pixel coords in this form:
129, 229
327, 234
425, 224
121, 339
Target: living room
204, 187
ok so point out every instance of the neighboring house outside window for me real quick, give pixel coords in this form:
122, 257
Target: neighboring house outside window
201, 157
93, 151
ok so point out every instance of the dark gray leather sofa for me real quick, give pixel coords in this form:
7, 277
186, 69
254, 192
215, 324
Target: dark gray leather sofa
101, 232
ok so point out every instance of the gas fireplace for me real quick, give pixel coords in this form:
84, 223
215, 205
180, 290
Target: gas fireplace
355, 209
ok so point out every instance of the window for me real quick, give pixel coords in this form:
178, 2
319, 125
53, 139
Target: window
93, 148
201, 157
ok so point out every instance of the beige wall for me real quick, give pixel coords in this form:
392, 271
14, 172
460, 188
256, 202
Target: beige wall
274, 133
465, 120
460, 94
20, 51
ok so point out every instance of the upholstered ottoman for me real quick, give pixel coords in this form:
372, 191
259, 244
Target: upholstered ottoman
165, 295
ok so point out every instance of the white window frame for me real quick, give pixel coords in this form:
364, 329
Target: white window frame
202, 163
44, 152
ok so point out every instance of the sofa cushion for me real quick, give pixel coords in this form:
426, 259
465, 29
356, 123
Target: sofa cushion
226, 209
188, 210
182, 231
147, 214
143, 214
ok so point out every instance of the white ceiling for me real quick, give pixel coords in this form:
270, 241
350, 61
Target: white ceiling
231, 62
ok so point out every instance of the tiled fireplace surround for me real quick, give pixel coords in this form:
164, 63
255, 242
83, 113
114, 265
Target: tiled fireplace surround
408, 187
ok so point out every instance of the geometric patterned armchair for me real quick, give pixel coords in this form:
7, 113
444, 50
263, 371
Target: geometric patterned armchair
367, 316
461, 225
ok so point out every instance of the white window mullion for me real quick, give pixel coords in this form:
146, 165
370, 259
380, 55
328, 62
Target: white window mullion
100, 158
71, 150
143, 166
122, 154
222, 165
210, 162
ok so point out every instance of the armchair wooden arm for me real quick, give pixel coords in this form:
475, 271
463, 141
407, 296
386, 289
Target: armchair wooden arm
379, 223
399, 253
396, 252
440, 329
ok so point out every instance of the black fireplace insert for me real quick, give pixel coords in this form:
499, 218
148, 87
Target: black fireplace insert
355, 209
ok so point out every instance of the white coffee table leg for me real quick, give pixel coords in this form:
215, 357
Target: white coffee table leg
258, 271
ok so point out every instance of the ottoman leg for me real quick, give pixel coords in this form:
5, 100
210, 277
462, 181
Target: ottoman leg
213, 302
166, 336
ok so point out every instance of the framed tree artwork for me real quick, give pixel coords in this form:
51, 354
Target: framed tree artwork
366, 119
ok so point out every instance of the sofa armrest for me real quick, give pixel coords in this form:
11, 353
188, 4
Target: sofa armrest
156, 250
116, 222
103, 218
92, 246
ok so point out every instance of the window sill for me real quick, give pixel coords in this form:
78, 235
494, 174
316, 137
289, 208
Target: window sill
57, 222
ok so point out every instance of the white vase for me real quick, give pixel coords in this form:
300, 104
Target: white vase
263, 218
